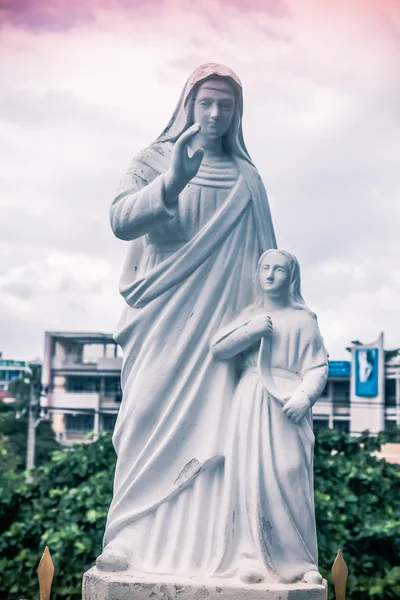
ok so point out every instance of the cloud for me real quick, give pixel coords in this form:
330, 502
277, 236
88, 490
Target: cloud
54, 291
83, 92
62, 15
275, 8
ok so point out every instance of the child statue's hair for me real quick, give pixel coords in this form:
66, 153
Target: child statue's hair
295, 298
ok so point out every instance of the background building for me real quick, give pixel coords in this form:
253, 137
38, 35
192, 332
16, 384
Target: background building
10, 370
81, 375
362, 393
81, 379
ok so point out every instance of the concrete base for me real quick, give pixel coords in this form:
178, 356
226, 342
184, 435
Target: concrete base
120, 586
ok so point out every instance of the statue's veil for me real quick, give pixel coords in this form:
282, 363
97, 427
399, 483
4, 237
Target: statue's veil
234, 144
182, 117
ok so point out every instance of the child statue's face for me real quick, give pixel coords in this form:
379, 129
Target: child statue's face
274, 274
214, 105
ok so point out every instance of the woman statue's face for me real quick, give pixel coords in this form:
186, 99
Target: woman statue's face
274, 274
214, 104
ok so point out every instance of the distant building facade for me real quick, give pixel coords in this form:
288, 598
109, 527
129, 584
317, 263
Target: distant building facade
362, 393
9, 371
81, 381
81, 376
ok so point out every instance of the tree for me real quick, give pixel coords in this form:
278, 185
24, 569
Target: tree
357, 500
20, 388
14, 423
65, 507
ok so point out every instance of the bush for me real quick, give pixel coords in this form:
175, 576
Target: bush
357, 506
65, 508
357, 501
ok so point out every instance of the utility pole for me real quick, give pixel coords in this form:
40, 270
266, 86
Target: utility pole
33, 422
30, 450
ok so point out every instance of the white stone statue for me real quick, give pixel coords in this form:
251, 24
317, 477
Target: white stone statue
267, 528
195, 213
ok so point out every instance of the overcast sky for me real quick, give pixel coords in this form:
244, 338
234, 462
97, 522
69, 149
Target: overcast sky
85, 85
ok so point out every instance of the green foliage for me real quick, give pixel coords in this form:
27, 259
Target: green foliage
14, 432
20, 389
14, 424
357, 500
65, 507
357, 505
10, 479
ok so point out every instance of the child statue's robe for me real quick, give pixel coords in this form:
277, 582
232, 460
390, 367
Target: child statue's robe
268, 510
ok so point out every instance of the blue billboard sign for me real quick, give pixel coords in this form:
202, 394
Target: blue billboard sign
366, 363
339, 368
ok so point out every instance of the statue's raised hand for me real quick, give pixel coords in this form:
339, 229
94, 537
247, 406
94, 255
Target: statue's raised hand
183, 167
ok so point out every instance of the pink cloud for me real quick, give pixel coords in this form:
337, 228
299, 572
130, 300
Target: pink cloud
275, 8
58, 15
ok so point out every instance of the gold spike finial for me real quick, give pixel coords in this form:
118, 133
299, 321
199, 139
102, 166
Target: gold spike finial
339, 576
45, 572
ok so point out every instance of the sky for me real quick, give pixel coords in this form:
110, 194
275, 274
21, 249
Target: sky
87, 84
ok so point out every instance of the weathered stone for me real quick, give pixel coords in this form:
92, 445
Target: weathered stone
98, 585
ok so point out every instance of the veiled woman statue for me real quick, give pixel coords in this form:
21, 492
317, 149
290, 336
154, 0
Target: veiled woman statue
195, 213
267, 520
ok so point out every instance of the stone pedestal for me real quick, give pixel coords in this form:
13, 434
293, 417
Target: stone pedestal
120, 586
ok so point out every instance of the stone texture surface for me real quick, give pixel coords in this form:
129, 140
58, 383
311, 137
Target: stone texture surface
120, 586
193, 229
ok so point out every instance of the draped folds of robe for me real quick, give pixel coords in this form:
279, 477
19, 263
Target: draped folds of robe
267, 516
189, 269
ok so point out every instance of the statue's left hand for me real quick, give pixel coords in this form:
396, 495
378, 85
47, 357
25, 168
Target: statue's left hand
296, 408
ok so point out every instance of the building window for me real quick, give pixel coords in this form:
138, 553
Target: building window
341, 393
92, 353
79, 424
390, 392
112, 386
109, 422
9, 375
341, 425
15, 374
83, 384
321, 423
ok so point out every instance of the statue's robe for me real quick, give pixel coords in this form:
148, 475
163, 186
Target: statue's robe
267, 515
189, 269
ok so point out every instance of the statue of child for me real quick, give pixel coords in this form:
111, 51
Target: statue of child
269, 530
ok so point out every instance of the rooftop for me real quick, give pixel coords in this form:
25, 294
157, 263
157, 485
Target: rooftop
89, 337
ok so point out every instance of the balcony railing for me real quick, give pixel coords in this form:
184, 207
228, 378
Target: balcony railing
102, 364
71, 400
